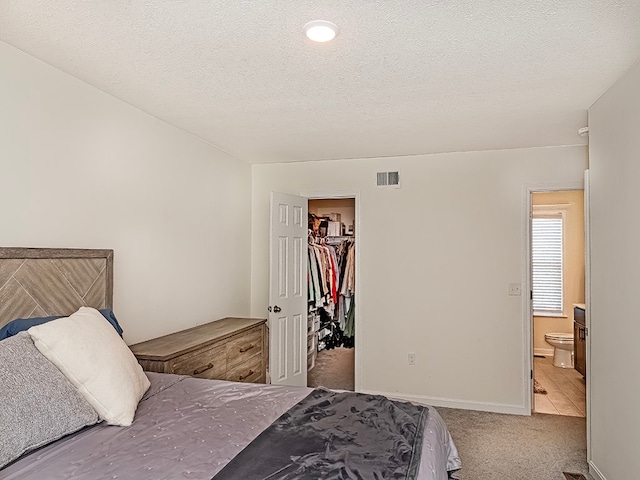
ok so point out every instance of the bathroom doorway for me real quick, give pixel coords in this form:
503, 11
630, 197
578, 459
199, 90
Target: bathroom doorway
557, 272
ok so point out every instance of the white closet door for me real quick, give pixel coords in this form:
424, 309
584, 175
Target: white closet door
288, 290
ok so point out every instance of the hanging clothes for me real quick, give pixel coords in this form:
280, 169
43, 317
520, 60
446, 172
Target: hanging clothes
350, 325
349, 274
314, 278
325, 282
331, 286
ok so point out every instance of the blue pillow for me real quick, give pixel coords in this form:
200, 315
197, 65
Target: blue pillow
111, 318
21, 324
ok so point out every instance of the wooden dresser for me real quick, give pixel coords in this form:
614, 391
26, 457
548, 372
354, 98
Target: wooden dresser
232, 349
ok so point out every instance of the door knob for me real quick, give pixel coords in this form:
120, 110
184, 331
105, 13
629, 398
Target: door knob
277, 309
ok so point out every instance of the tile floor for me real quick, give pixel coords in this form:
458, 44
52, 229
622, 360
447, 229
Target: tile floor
565, 389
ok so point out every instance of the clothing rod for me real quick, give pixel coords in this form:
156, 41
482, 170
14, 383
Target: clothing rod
341, 238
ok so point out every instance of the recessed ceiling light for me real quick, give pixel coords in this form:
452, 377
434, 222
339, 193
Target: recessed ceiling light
321, 30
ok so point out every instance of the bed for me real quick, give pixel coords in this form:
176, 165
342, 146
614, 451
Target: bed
194, 428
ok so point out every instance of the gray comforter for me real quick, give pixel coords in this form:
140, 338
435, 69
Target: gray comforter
189, 428
336, 435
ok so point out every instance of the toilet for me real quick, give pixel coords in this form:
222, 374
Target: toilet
562, 344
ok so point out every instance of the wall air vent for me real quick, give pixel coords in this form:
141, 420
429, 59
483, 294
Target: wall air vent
388, 179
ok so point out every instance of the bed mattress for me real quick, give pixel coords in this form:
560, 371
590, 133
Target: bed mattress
189, 428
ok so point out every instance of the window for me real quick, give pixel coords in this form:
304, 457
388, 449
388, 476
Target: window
546, 261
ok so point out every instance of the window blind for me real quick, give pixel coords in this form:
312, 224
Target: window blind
546, 264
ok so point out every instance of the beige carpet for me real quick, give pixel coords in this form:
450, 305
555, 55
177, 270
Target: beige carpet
334, 369
493, 446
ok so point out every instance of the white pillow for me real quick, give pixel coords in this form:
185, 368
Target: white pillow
93, 357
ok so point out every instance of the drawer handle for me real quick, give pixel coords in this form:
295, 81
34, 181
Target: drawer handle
199, 371
247, 375
251, 345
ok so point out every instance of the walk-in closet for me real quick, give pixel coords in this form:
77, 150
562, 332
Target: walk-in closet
331, 293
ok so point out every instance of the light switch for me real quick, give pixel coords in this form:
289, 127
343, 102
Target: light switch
514, 289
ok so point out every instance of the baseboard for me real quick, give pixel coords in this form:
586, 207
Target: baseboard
452, 403
544, 352
594, 472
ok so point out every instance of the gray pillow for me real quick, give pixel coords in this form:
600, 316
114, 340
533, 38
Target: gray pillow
37, 403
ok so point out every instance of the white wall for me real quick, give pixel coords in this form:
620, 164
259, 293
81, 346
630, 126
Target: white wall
615, 279
79, 168
436, 258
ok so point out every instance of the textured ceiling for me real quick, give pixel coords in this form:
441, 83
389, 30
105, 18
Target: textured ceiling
402, 77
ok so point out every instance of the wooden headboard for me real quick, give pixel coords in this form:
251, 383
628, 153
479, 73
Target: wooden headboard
38, 282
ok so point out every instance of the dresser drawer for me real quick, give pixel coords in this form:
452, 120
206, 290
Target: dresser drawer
208, 362
243, 347
250, 371
231, 348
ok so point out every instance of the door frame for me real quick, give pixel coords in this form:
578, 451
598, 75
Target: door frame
337, 195
587, 301
527, 310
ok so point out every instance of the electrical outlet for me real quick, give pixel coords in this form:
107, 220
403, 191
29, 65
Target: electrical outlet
411, 358
514, 289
